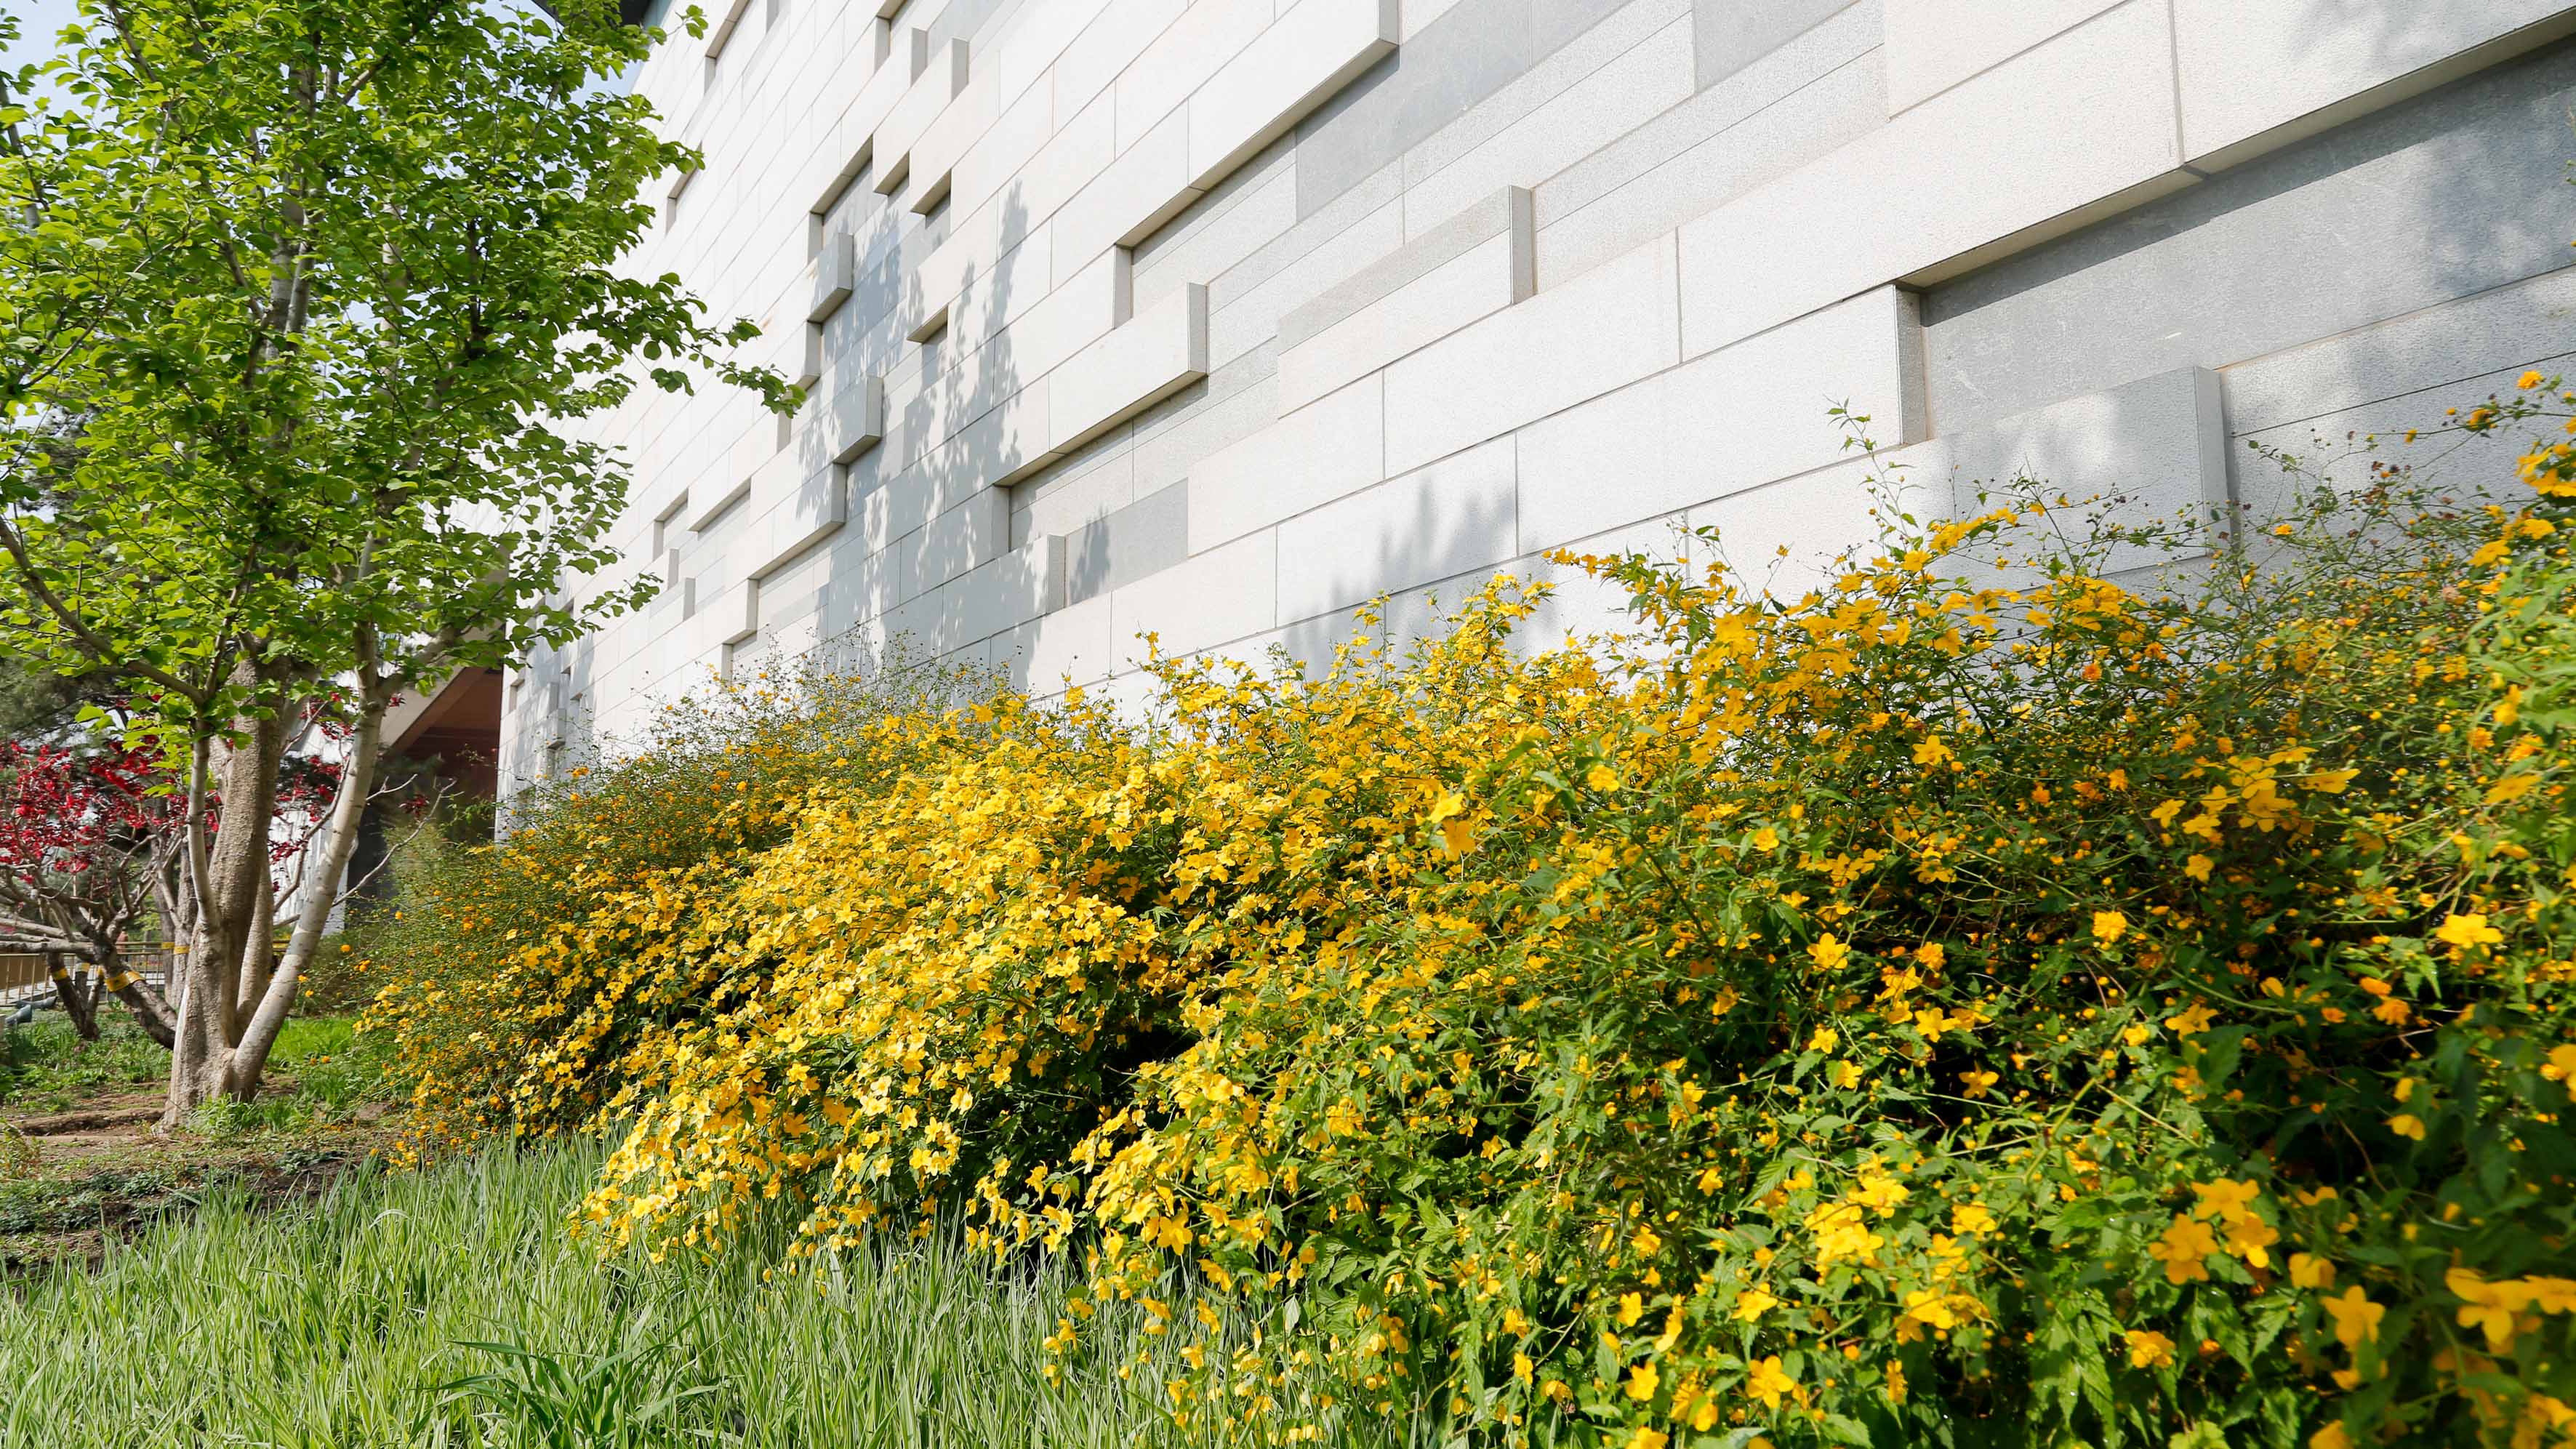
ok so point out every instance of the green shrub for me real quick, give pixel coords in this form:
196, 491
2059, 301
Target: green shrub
1975, 1002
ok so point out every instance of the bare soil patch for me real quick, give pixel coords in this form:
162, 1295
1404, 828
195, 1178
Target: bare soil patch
89, 1169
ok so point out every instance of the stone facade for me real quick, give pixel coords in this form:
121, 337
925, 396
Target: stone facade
1211, 319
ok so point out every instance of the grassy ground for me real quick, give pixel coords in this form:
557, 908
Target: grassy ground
258, 1279
80, 1165
44, 1068
319, 1068
451, 1307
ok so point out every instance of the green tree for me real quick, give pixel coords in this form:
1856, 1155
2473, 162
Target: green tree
34, 701
304, 308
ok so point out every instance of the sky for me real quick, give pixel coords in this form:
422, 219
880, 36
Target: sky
39, 21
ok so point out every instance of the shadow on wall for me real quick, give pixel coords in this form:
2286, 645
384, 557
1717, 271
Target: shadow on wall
2438, 198
2435, 199
1466, 54
1426, 553
921, 512
2395, 38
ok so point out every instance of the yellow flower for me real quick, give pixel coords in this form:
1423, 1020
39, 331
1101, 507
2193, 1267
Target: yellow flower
2331, 1436
2512, 787
1931, 752
2109, 926
1827, 952
1642, 1381
1932, 1310
1601, 778
1972, 1218
2529, 380
2251, 1238
2466, 931
2148, 1348
2184, 1244
2356, 1318
2197, 867
2307, 1270
1841, 1232
2407, 1124
1752, 1303
2541, 1411
1456, 832
2487, 1307
1823, 1040
1632, 1306
1766, 839
2225, 1199
2551, 1295
1881, 1194
1769, 1382
2194, 1020
1648, 1438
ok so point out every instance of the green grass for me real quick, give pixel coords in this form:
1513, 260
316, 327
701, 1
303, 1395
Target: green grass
311, 1125
450, 1307
46, 1067
333, 1070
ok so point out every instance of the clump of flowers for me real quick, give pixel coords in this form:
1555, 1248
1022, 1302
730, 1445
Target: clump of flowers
513, 979
1984, 999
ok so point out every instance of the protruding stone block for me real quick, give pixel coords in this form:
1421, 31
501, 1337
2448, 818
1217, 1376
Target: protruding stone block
1163, 349
1598, 332
830, 276
2259, 74
1297, 64
2054, 137
1933, 45
1322, 451
1433, 286
929, 95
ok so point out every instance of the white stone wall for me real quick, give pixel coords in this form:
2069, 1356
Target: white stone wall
1211, 319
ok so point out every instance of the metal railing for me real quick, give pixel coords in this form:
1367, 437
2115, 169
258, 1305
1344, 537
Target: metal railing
23, 974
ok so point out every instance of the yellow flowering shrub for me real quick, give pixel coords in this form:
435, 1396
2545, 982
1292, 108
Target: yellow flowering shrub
512, 978
1980, 1001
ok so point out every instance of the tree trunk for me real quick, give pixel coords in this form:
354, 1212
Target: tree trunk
230, 903
150, 1012
339, 842
79, 999
225, 1031
259, 956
